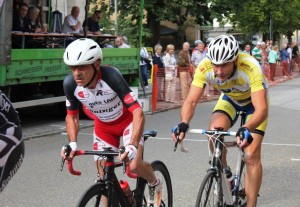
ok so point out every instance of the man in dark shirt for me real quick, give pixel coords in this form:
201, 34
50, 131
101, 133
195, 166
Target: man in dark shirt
18, 19
18, 23
92, 23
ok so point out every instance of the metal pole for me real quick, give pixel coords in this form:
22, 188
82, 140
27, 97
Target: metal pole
116, 14
140, 41
87, 4
270, 29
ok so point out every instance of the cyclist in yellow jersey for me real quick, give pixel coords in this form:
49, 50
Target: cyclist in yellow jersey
243, 87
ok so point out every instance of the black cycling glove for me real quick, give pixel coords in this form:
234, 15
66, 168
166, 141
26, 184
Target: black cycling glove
182, 127
244, 133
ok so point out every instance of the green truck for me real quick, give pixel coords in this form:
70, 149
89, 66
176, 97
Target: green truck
32, 77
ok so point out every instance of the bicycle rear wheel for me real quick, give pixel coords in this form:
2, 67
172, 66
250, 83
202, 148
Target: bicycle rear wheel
161, 172
210, 192
93, 197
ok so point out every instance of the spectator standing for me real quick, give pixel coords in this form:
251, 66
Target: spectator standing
272, 59
92, 23
264, 61
247, 49
144, 67
71, 23
171, 73
256, 52
289, 51
119, 42
269, 45
197, 56
295, 56
184, 68
160, 77
284, 55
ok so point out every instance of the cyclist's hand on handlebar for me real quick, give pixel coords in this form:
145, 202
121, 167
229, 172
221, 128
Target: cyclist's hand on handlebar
130, 152
244, 138
68, 151
180, 131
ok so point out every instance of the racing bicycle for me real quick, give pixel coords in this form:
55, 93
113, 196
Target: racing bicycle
215, 190
110, 188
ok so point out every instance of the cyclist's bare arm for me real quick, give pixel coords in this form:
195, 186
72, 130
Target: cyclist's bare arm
260, 103
189, 106
138, 126
72, 124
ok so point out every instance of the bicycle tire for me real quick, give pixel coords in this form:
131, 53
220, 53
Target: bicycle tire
210, 192
161, 172
241, 195
92, 196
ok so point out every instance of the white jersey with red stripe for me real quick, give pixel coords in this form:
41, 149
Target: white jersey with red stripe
109, 101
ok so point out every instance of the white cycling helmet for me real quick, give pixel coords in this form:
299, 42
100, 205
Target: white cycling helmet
82, 51
223, 49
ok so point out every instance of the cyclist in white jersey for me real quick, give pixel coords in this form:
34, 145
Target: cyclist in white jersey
106, 98
11, 141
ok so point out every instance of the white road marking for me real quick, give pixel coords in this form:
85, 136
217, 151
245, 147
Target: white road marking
294, 159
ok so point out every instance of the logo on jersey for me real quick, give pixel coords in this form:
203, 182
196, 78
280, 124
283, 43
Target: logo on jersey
129, 98
83, 94
102, 93
126, 132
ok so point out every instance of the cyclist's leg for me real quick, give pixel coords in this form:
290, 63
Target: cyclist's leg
138, 165
100, 142
253, 177
224, 116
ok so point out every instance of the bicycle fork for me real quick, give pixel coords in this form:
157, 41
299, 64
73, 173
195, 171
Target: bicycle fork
237, 176
225, 192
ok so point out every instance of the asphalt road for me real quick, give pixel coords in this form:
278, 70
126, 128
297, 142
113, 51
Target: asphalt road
39, 181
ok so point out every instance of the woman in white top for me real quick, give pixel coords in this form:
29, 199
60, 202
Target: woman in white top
171, 73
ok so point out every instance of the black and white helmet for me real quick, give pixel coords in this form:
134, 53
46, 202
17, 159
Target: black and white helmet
82, 51
223, 49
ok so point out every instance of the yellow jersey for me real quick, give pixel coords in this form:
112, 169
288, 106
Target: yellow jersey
248, 77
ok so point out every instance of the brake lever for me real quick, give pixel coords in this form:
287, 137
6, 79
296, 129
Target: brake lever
121, 151
176, 143
62, 164
67, 153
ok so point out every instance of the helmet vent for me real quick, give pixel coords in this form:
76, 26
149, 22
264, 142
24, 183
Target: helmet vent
79, 55
93, 47
90, 58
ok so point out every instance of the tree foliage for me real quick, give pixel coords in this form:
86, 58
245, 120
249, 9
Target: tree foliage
248, 16
254, 16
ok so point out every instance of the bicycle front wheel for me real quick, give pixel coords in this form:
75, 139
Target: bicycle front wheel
162, 173
210, 192
241, 199
96, 196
